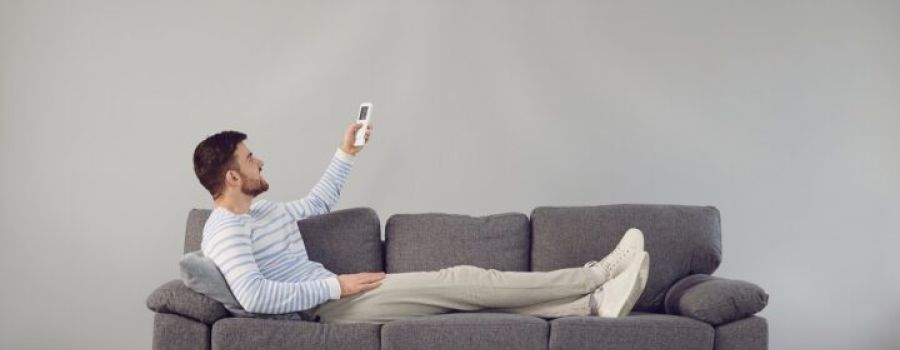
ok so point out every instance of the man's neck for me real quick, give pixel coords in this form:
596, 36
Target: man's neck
238, 204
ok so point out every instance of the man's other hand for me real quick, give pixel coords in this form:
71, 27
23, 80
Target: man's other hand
359, 282
350, 137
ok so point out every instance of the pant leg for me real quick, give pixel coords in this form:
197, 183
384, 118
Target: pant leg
460, 288
578, 305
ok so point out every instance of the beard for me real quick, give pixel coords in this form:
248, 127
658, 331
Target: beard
254, 187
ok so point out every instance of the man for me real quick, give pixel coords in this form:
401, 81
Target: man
260, 251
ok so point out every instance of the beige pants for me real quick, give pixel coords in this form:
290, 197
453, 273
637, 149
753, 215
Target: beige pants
551, 294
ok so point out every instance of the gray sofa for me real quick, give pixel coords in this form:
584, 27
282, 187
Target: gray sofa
682, 306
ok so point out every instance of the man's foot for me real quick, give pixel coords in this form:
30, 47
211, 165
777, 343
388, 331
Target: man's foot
644, 272
616, 297
615, 262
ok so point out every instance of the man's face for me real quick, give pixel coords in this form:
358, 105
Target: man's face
250, 169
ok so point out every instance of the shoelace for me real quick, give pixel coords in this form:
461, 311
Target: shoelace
618, 253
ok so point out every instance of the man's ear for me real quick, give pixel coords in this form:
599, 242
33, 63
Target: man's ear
231, 176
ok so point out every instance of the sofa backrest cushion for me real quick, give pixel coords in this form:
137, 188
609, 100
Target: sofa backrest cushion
344, 241
681, 240
193, 234
432, 241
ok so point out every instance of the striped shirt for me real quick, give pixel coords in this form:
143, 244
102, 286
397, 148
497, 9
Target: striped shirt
262, 255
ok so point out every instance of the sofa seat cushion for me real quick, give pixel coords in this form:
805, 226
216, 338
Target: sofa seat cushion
478, 330
255, 333
636, 331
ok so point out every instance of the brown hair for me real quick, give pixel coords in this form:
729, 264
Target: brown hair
213, 157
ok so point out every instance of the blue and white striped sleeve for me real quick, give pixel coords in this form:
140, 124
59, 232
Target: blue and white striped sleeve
229, 246
325, 194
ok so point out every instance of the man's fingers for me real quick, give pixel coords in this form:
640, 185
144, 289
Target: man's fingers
365, 287
366, 277
371, 278
352, 129
364, 281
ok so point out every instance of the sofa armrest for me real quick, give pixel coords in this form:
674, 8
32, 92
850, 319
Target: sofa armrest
174, 297
714, 300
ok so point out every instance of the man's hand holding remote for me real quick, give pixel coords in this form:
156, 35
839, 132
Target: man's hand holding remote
350, 136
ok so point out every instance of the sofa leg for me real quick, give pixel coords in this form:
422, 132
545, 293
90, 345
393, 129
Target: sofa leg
751, 333
173, 332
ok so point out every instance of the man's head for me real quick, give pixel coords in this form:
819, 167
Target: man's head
223, 163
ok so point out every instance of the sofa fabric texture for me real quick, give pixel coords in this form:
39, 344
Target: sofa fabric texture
194, 232
174, 297
345, 241
715, 300
637, 331
174, 332
255, 333
681, 240
466, 331
682, 306
432, 241
748, 333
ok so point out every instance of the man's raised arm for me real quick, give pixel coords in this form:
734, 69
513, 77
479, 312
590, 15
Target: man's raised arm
325, 194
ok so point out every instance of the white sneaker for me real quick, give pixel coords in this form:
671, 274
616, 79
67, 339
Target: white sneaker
644, 273
615, 262
620, 293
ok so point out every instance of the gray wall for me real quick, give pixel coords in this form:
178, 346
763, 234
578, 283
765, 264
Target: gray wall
781, 113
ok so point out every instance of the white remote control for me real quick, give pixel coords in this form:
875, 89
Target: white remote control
365, 115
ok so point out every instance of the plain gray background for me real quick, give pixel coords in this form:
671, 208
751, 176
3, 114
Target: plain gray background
783, 114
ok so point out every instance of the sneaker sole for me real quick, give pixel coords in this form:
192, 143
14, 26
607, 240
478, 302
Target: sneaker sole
644, 274
638, 290
635, 288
